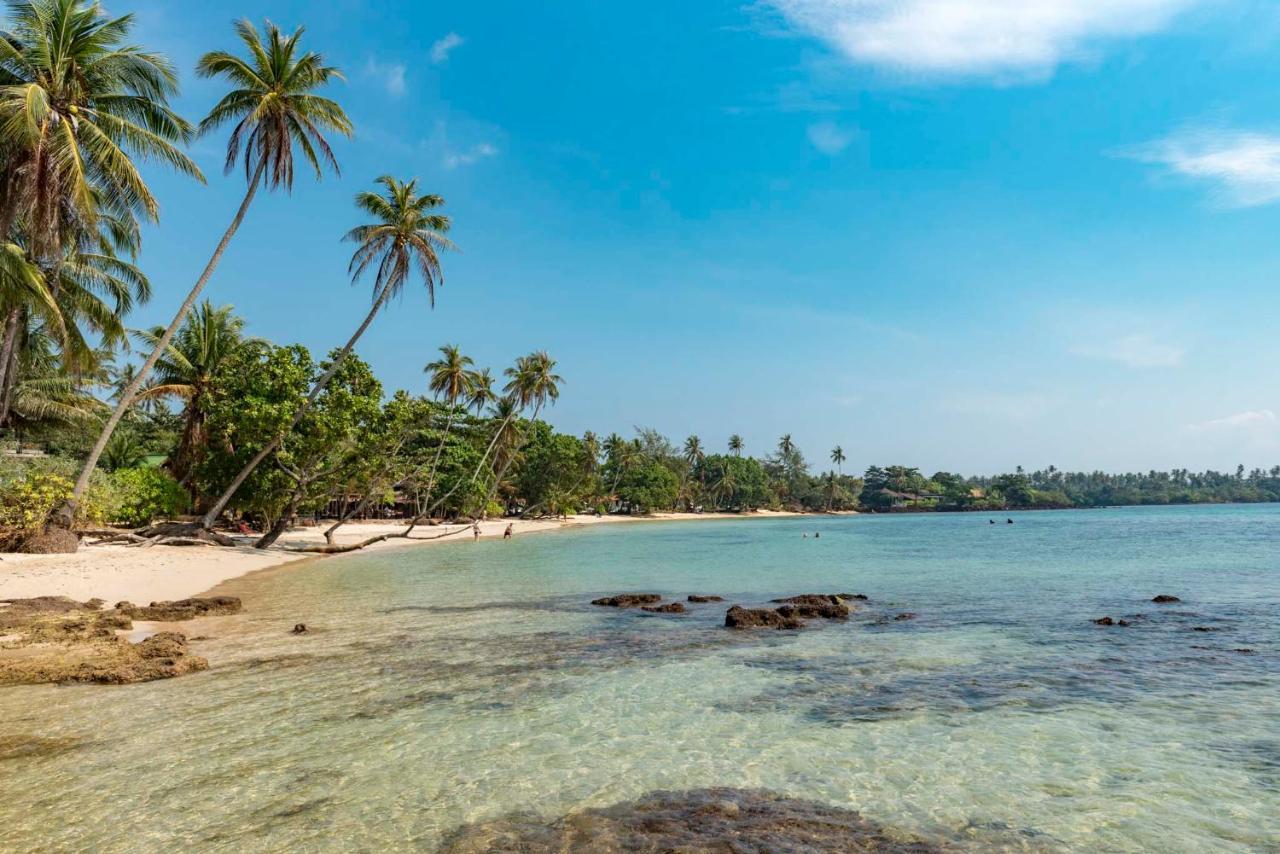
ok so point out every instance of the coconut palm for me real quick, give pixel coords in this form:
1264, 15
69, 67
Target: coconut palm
274, 108
450, 381
693, 453
480, 391
532, 381
186, 371
735, 445
837, 457
408, 235
785, 445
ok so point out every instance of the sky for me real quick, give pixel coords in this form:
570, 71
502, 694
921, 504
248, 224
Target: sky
963, 236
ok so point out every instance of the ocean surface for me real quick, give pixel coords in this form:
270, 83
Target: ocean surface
446, 686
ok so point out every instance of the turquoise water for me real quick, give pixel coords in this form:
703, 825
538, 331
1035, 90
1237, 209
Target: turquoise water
456, 684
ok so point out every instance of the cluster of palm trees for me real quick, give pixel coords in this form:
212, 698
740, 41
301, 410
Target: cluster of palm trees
79, 107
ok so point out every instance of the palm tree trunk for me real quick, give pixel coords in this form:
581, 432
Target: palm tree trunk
413, 523
216, 510
497, 480
9, 363
64, 515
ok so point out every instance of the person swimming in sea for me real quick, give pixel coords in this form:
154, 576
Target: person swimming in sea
816, 535
1008, 521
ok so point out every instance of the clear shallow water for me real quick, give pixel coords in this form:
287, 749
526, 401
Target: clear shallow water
457, 684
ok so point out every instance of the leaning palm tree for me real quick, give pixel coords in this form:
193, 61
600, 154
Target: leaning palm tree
450, 381
274, 108
837, 457
532, 381
735, 445
186, 370
408, 235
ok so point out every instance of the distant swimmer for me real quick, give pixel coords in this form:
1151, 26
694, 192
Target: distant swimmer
991, 521
816, 535
1009, 521
806, 535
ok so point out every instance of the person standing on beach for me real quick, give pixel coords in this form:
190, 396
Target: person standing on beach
506, 535
475, 528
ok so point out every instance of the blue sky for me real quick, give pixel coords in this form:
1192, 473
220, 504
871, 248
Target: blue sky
964, 236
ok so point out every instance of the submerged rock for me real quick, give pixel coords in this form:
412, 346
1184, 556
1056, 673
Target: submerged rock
739, 617
1108, 621
693, 597
299, 629
628, 600
702, 820
1164, 599
669, 608
905, 615
182, 609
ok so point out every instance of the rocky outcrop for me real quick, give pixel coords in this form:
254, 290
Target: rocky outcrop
1165, 599
182, 609
703, 820
693, 597
904, 616
628, 600
814, 605
1109, 621
54, 639
738, 617
669, 608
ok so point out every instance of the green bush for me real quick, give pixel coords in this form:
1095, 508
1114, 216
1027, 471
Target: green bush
140, 496
28, 496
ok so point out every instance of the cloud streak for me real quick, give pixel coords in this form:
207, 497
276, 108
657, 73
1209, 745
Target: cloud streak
967, 38
391, 75
1136, 351
441, 49
1253, 419
830, 138
1241, 168
470, 156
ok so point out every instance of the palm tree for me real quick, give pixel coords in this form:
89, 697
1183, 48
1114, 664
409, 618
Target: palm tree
693, 453
186, 371
735, 445
837, 457
450, 381
480, 391
725, 487
407, 235
532, 381
785, 445
274, 107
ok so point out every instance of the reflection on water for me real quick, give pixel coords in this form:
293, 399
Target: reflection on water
461, 685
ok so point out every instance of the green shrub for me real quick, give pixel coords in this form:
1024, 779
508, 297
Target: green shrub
140, 496
28, 496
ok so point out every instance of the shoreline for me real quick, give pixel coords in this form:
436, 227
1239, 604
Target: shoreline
144, 574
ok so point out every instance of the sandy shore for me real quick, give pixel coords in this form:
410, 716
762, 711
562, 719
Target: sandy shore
116, 573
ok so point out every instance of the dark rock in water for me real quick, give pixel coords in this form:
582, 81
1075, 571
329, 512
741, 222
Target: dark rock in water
1164, 599
739, 617
628, 600
693, 597
1205, 629
299, 629
725, 821
182, 609
669, 608
823, 605
861, 597
1107, 621
906, 615
1244, 651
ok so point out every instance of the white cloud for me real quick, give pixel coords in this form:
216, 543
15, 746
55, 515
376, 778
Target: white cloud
472, 155
390, 74
830, 138
443, 47
1241, 167
1252, 419
973, 37
1137, 350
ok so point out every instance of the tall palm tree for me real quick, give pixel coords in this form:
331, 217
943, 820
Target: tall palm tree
837, 457
407, 235
274, 107
480, 391
735, 445
450, 381
785, 445
186, 372
693, 453
532, 381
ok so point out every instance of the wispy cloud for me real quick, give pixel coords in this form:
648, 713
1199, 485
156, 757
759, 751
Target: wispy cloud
1001, 38
1242, 168
1254, 419
390, 74
1138, 350
830, 138
469, 156
442, 47
999, 406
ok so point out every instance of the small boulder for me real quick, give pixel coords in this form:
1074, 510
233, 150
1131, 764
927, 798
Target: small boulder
182, 609
906, 615
299, 629
669, 608
1108, 621
1164, 599
628, 600
693, 597
861, 597
819, 605
739, 617
1205, 629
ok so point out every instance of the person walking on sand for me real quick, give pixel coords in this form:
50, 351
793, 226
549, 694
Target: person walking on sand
506, 535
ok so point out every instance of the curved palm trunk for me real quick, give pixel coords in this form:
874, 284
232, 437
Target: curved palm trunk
64, 515
506, 465
416, 520
215, 511
9, 363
